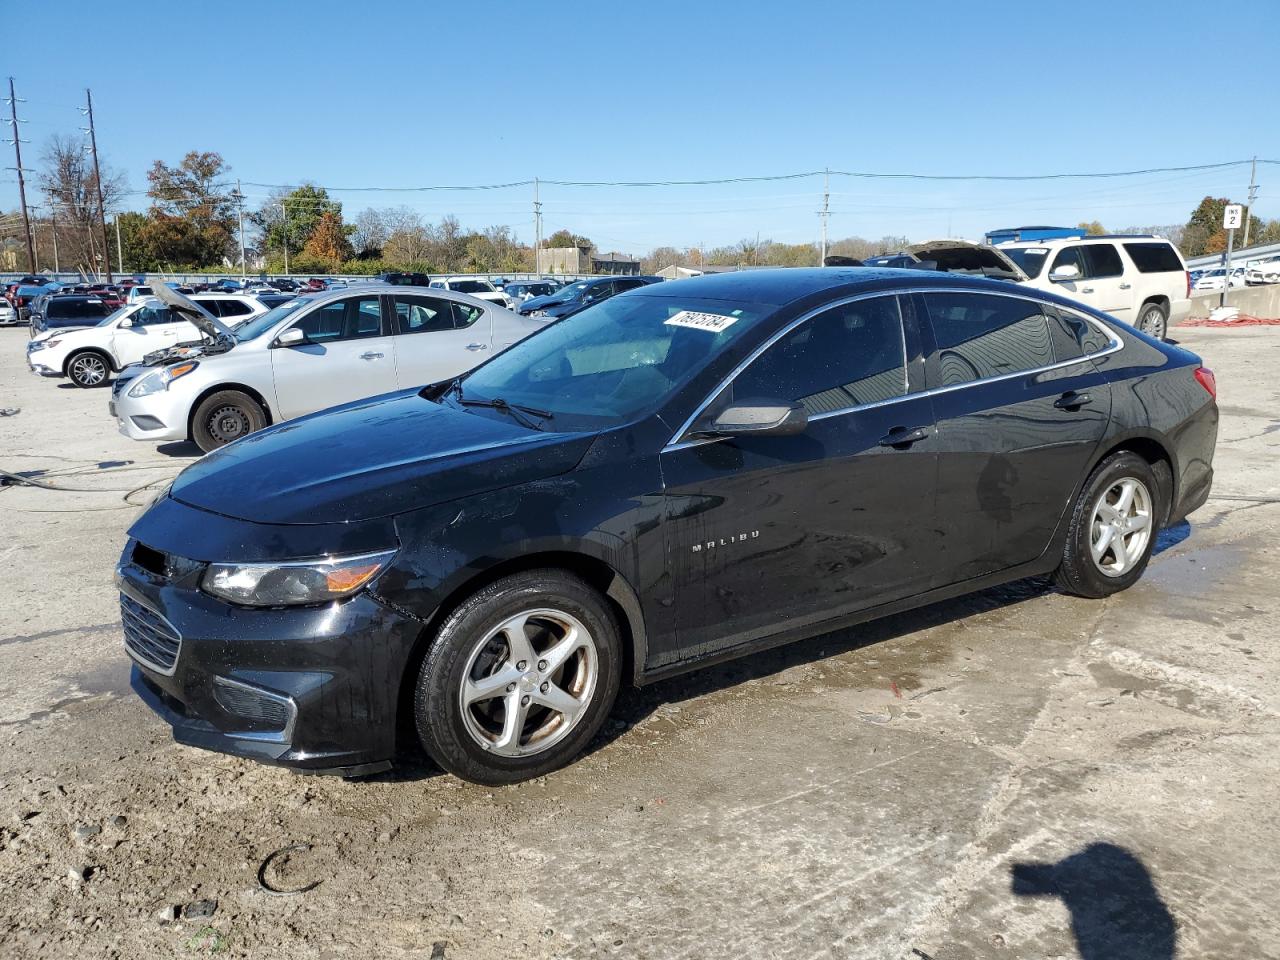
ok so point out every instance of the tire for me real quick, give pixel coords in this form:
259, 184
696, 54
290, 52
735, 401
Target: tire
225, 416
1101, 504
88, 369
1153, 319
474, 742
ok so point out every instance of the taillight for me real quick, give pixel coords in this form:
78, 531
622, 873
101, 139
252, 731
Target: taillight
1206, 379
1187, 274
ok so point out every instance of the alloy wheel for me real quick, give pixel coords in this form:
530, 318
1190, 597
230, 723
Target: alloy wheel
1121, 527
88, 370
528, 682
1153, 322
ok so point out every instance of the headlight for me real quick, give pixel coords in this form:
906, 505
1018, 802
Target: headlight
41, 344
160, 379
287, 584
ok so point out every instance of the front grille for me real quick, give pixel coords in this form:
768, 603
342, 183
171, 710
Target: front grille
149, 637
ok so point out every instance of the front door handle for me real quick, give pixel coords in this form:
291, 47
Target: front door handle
477, 346
1086, 289
370, 355
1072, 400
1125, 286
901, 438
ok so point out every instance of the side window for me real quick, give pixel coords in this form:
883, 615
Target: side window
1103, 260
1072, 332
465, 314
629, 284
423, 314
1154, 257
234, 308
980, 335
1069, 257
150, 316
349, 319
844, 357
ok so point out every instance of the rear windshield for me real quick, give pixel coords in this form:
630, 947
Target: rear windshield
1029, 259
471, 286
1154, 257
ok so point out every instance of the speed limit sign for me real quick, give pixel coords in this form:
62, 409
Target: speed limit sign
1232, 216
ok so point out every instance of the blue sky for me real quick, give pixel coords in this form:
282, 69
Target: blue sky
411, 94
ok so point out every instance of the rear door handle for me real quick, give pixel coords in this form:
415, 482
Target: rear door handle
477, 346
900, 438
1072, 400
370, 355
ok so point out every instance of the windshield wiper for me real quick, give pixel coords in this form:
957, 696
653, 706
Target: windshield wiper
518, 412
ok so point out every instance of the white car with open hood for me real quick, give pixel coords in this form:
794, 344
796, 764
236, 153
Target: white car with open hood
1139, 279
313, 352
87, 356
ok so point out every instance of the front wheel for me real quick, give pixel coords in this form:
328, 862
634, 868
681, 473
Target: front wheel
88, 369
225, 416
519, 678
1113, 528
1153, 319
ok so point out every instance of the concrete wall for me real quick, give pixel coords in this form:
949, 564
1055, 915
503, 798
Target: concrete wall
1262, 302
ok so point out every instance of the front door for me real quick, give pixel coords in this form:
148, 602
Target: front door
348, 355
770, 533
437, 339
1020, 412
1101, 283
150, 328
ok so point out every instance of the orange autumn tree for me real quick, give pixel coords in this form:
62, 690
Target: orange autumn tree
328, 241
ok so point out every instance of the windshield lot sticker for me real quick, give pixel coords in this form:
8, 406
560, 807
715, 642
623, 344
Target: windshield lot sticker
711, 322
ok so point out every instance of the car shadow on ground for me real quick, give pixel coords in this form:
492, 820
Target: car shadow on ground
1116, 911
185, 449
634, 705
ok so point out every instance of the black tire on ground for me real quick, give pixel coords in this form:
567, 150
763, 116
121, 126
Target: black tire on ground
447, 735
1078, 573
225, 416
88, 368
1153, 318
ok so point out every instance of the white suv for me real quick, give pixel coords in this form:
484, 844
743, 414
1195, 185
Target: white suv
1139, 279
476, 287
87, 356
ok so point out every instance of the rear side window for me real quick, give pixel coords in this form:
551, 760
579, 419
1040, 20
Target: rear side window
980, 336
844, 357
1072, 332
1103, 260
424, 314
1154, 257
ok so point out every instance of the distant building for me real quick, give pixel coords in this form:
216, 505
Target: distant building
568, 260
615, 263
677, 272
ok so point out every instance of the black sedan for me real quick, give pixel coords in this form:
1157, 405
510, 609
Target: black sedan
568, 300
683, 473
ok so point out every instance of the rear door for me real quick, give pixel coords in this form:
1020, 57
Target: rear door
437, 338
349, 355
1020, 410
771, 533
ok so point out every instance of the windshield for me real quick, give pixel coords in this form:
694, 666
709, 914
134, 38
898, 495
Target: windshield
257, 327
471, 286
1029, 259
612, 361
571, 292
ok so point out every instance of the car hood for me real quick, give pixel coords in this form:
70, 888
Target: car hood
961, 256
408, 453
203, 320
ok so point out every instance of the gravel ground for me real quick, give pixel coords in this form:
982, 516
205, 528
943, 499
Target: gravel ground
1013, 774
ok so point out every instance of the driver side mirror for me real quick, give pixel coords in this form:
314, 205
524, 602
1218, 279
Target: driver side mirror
125, 323
293, 337
1068, 271
772, 418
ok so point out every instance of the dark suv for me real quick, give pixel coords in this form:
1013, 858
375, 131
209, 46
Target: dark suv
70, 311
569, 300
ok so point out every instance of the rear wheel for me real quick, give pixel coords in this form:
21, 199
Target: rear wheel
225, 416
1153, 319
88, 369
519, 678
1113, 528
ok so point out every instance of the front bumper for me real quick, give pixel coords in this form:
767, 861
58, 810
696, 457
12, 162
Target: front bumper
159, 417
313, 688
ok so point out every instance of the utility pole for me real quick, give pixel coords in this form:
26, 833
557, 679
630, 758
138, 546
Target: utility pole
826, 212
1253, 195
537, 230
239, 198
97, 179
53, 223
119, 247
22, 185
284, 209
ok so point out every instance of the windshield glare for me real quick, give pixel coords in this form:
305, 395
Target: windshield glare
611, 362
1029, 259
257, 327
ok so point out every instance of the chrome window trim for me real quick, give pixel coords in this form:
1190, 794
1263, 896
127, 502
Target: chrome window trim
1114, 342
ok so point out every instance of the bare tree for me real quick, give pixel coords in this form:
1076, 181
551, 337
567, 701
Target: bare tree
66, 177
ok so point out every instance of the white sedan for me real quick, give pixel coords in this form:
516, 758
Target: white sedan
316, 351
1213, 279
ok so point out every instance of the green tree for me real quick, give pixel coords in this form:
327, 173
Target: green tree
305, 206
138, 256
1204, 233
1092, 228
192, 218
563, 238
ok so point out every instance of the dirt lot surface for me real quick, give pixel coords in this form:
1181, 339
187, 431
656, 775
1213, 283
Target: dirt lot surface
1015, 774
